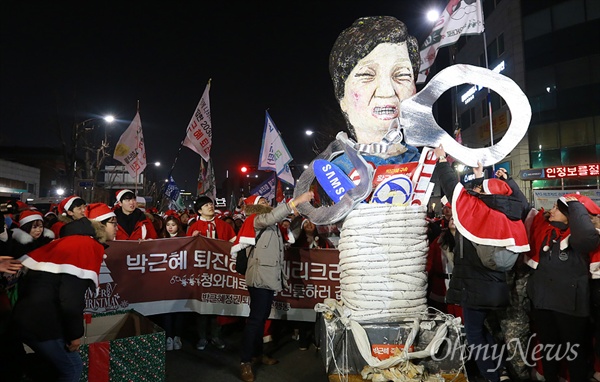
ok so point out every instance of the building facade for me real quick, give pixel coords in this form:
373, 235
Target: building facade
550, 49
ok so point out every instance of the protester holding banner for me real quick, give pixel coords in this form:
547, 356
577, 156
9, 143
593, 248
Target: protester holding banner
210, 226
173, 227
264, 274
133, 222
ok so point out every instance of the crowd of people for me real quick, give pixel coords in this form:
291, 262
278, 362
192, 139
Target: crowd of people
544, 306
45, 274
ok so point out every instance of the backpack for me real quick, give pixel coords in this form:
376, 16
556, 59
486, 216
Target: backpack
241, 263
496, 258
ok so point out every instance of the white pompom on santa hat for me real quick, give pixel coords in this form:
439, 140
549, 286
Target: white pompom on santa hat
28, 216
98, 212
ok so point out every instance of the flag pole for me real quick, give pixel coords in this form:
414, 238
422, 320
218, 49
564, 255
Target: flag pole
489, 93
137, 146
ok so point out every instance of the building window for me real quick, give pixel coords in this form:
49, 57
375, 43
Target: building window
577, 132
567, 14
544, 137
537, 24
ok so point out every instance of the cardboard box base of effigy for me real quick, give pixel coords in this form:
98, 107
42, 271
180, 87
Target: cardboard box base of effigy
343, 361
123, 346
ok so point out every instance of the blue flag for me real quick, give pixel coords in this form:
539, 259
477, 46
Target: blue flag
266, 189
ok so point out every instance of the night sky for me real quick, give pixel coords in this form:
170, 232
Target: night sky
62, 64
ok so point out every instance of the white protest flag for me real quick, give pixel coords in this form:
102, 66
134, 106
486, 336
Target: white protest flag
130, 149
274, 156
286, 175
198, 137
456, 20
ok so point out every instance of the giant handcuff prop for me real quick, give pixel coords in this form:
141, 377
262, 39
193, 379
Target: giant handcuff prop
417, 127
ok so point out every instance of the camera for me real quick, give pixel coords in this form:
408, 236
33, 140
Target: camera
9, 208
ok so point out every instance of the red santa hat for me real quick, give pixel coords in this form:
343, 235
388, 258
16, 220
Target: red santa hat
98, 212
591, 207
122, 193
77, 255
252, 199
28, 216
66, 204
172, 213
496, 186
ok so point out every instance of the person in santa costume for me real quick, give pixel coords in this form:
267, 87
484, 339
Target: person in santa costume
559, 286
30, 235
480, 290
48, 315
133, 222
69, 209
209, 225
264, 275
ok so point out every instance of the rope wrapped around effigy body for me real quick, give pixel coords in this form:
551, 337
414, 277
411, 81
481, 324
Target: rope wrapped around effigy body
383, 254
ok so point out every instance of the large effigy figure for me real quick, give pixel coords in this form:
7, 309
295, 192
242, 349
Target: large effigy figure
383, 246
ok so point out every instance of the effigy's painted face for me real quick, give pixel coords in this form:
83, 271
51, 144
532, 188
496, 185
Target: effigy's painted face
375, 88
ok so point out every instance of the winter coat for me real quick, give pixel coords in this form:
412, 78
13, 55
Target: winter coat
265, 264
51, 303
561, 258
221, 230
472, 284
141, 226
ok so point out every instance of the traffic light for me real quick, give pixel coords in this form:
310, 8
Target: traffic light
244, 169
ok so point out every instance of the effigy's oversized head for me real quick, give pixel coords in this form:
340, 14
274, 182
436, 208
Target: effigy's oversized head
373, 65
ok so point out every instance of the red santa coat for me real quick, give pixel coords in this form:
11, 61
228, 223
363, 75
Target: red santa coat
144, 229
215, 229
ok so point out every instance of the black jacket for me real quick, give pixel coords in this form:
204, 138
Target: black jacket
561, 280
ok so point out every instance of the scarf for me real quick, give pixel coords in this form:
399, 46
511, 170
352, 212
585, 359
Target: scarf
541, 236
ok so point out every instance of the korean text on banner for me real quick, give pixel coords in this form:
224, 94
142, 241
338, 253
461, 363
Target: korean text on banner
457, 19
130, 148
198, 137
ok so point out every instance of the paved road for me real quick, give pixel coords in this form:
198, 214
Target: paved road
189, 364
